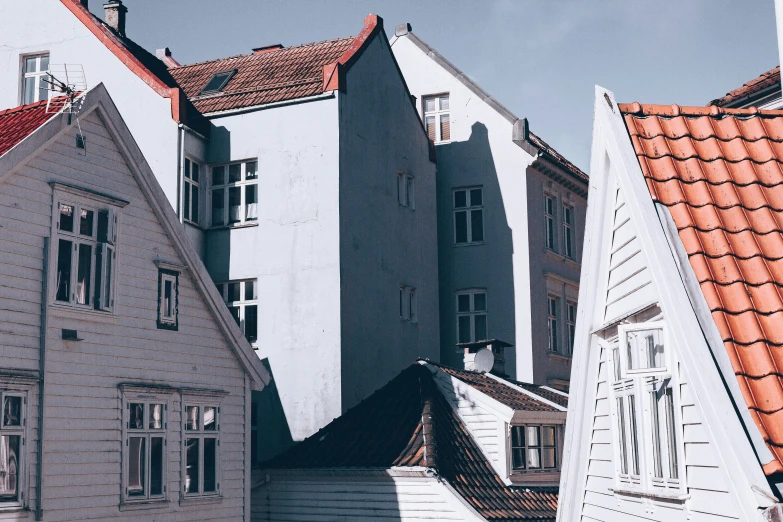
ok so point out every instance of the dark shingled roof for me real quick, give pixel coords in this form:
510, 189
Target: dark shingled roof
409, 423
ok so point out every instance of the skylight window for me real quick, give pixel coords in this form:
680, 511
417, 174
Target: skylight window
218, 81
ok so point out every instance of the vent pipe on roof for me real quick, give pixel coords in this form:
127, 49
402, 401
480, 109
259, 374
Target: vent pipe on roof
114, 16
267, 48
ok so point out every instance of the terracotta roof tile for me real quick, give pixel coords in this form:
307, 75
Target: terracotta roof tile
18, 123
390, 429
769, 80
719, 173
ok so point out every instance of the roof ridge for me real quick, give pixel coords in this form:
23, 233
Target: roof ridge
675, 110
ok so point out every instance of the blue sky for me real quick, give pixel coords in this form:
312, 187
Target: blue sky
540, 58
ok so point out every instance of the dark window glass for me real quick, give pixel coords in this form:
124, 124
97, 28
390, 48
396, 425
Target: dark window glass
12, 411
191, 465
64, 260
66, 218
477, 225
461, 227
103, 227
136, 416
218, 205
86, 220
251, 323
235, 173
460, 199
234, 313
186, 206
83, 274
251, 170
187, 168
194, 172
250, 290
476, 199
234, 204
218, 175
194, 199
463, 303
136, 466
156, 466
481, 328
210, 418
217, 82
233, 292
210, 468
464, 329
9, 461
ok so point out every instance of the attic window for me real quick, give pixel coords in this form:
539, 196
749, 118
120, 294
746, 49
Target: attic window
218, 81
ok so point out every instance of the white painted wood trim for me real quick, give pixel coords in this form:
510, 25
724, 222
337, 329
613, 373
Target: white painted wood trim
170, 266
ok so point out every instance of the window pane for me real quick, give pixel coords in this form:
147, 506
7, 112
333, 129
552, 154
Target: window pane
518, 456
107, 286
476, 225
548, 435
251, 323
461, 227
44, 63
479, 302
186, 205
234, 311
195, 171
66, 218
460, 199
31, 64
517, 436
64, 261
234, 172
218, 175
191, 466
445, 127
192, 419
12, 411
429, 105
218, 204
167, 299
656, 435
463, 303
156, 465
156, 417
671, 430
251, 170
194, 206
234, 204
10, 466
251, 202
136, 466
476, 198
464, 329
481, 327
645, 349
549, 458
533, 436
233, 292
634, 435
210, 465
616, 357
136, 416
621, 435
533, 458
86, 219
187, 168
430, 125
444, 103
29, 91
83, 274
250, 290
210, 418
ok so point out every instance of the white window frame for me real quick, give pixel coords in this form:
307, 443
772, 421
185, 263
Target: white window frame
408, 304
569, 238
550, 222
406, 190
189, 187
139, 394
641, 383
37, 76
226, 187
242, 303
437, 115
201, 434
541, 469
469, 209
472, 313
553, 323
20, 431
79, 199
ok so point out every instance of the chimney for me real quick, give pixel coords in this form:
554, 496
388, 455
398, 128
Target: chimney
267, 48
164, 55
85, 4
480, 364
114, 16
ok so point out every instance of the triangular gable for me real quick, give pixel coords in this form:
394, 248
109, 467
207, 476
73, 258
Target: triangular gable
615, 166
98, 99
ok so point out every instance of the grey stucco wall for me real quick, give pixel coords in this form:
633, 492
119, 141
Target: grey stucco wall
382, 244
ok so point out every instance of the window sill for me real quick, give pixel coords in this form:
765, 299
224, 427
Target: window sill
80, 314
144, 504
201, 501
560, 257
559, 356
17, 511
678, 497
535, 478
473, 243
191, 223
236, 225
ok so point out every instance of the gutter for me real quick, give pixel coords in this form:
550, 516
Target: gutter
41, 374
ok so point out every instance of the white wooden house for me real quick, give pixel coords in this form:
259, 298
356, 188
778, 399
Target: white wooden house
676, 393
125, 383
435, 443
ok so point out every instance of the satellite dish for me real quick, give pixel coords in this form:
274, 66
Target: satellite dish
484, 360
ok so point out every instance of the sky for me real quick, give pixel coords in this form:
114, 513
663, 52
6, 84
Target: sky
539, 58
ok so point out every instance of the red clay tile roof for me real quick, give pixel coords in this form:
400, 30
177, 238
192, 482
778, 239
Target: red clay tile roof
409, 423
744, 94
18, 123
719, 173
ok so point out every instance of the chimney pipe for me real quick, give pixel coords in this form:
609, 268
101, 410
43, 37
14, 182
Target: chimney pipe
114, 16
85, 4
498, 349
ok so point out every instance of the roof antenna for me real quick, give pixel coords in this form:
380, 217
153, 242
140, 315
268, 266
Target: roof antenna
69, 81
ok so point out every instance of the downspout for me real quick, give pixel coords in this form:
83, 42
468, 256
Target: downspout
41, 374
180, 170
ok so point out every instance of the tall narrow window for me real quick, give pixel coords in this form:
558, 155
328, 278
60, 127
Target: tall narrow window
233, 193
571, 325
405, 189
34, 75
568, 231
437, 118
12, 433
144, 448
241, 297
553, 329
168, 297
190, 191
468, 215
471, 316
549, 220
201, 459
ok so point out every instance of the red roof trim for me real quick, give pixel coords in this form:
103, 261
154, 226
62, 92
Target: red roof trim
672, 111
333, 71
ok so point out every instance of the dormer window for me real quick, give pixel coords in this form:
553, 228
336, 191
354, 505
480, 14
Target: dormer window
533, 448
217, 82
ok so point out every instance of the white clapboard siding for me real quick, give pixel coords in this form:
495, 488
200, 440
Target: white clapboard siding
629, 279
365, 498
83, 438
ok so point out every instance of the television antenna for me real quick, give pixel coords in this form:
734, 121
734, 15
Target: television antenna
67, 80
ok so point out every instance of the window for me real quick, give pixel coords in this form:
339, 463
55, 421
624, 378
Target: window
471, 316
12, 441
408, 303
168, 299
569, 248
34, 75
217, 82
571, 325
241, 297
437, 118
144, 450
468, 216
234, 193
647, 427
549, 219
405, 190
533, 448
85, 254
553, 330
200, 437
190, 191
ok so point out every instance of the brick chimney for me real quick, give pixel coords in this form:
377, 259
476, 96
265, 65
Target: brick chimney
114, 16
164, 55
